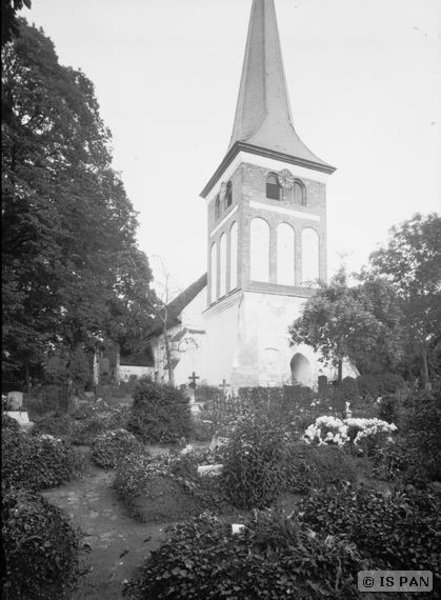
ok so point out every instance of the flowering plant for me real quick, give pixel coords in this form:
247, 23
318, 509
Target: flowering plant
331, 430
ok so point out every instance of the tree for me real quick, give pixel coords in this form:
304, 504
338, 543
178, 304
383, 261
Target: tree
160, 307
342, 322
73, 275
10, 23
411, 263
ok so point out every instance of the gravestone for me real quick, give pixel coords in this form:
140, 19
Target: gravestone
22, 418
322, 387
210, 470
15, 400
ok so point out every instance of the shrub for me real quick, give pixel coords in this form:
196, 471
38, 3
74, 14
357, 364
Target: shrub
396, 531
392, 461
389, 409
160, 413
421, 433
41, 548
148, 490
203, 429
10, 423
254, 463
346, 391
167, 486
111, 446
310, 467
92, 420
373, 386
38, 462
272, 557
415, 457
55, 424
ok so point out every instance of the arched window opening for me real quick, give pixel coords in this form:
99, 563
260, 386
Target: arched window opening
213, 272
299, 193
233, 256
217, 208
285, 254
229, 194
301, 370
259, 250
272, 187
310, 256
223, 265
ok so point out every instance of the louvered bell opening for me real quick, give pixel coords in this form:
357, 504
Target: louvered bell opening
229, 194
273, 191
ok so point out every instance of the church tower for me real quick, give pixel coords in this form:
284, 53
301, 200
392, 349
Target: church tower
266, 206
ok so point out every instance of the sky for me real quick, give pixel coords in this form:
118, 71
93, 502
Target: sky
364, 83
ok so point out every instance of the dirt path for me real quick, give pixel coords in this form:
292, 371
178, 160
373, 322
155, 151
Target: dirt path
117, 543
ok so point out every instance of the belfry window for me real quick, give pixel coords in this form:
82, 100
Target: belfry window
272, 187
229, 194
299, 193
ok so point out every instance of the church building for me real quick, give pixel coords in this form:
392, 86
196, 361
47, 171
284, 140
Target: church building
266, 241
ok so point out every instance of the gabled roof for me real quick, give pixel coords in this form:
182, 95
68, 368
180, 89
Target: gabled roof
263, 113
177, 305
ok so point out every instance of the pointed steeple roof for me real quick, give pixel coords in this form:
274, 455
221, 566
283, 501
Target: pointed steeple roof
263, 123
263, 114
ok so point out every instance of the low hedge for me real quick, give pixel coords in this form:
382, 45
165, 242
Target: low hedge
396, 531
93, 420
55, 424
10, 423
160, 413
38, 462
41, 548
112, 446
254, 463
272, 557
167, 486
309, 467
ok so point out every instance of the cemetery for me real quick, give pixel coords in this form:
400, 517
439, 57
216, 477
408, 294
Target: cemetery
279, 491
262, 434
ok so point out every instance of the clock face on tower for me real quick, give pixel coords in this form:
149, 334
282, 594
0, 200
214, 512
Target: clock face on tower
286, 178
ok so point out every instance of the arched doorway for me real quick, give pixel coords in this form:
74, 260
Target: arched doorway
301, 370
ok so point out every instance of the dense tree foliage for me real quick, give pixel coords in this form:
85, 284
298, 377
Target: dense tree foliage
10, 24
73, 275
392, 318
359, 323
411, 262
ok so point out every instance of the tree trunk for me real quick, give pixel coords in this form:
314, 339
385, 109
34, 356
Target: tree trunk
425, 369
340, 370
171, 375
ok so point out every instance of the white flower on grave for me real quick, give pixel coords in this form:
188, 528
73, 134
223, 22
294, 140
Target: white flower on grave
49, 438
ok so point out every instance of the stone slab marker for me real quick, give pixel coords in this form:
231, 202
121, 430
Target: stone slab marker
15, 400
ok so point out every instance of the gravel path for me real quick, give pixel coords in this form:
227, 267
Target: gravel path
116, 543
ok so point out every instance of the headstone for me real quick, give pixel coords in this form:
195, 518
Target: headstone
195, 408
237, 527
210, 470
15, 400
322, 387
22, 418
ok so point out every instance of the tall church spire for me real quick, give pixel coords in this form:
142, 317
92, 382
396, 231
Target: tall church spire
263, 115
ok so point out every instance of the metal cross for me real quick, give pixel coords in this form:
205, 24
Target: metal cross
193, 378
224, 386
